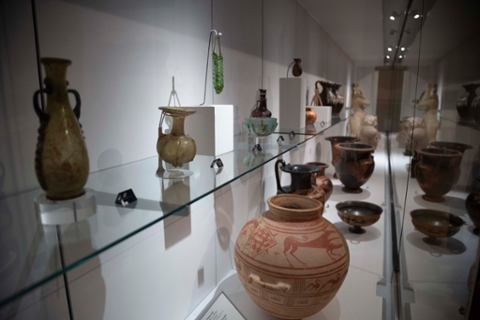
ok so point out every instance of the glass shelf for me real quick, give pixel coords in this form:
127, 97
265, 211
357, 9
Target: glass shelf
26, 266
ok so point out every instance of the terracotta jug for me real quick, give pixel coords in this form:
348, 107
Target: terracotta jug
301, 183
354, 165
290, 259
335, 152
437, 172
472, 204
176, 147
319, 179
61, 157
310, 116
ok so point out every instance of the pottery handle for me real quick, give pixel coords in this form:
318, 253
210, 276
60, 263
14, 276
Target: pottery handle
78, 102
279, 287
277, 175
39, 111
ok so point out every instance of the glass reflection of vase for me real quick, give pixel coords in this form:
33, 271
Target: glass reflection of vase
475, 109
176, 148
472, 204
61, 157
301, 182
464, 103
297, 68
260, 110
437, 171
339, 99
176, 191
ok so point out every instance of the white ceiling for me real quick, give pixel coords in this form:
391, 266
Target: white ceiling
363, 28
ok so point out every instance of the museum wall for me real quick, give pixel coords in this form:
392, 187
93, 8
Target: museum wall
124, 55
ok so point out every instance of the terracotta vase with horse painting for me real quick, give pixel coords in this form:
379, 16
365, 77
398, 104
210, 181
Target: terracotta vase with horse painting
290, 253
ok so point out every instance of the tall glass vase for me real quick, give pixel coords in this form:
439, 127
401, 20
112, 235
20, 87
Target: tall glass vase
61, 158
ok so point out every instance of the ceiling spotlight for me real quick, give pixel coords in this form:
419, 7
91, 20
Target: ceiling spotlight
387, 56
389, 49
402, 48
400, 57
395, 15
416, 16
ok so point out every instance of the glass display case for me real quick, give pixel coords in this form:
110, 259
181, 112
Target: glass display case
404, 76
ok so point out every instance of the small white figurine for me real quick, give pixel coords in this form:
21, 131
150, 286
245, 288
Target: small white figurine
359, 102
369, 132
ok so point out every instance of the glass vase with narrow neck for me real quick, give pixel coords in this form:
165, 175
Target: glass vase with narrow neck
61, 157
261, 110
175, 148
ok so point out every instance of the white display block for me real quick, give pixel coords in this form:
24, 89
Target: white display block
53, 212
212, 129
323, 113
292, 103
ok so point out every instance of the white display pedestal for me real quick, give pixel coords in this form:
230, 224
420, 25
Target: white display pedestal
292, 104
323, 114
212, 129
59, 212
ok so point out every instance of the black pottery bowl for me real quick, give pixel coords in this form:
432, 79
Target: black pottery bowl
358, 214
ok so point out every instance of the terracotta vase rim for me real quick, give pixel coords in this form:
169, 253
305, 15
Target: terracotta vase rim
322, 165
445, 153
444, 144
177, 111
342, 139
50, 60
300, 208
359, 148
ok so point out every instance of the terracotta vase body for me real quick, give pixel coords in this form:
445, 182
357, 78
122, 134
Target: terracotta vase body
320, 180
464, 102
354, 165
436, 172
310, 116
176, 147
301, 182
339, 101
297, 68
260, 110
335, 152
61, 157
472, 204
291, 260
369, 132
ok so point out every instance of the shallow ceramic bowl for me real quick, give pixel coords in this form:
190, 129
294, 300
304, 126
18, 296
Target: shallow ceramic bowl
435, 223
260, 127
358, 214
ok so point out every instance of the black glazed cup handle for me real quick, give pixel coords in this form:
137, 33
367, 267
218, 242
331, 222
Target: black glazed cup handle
282, 163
